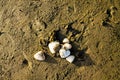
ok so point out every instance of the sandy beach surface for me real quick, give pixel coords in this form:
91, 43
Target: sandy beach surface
28, 26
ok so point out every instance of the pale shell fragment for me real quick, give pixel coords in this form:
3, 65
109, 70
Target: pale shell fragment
66, 40
67, 46
70, 58
64, 53
39, 56
53, 45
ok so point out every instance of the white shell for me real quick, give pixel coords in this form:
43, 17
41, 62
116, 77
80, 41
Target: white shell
64, 53
67, 46
39, 56
66, 40
70, 58
52, 46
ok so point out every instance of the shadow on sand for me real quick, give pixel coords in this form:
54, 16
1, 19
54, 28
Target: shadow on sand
83, 59
50, 59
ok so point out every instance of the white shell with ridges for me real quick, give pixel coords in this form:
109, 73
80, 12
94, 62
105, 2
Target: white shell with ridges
39, 56
70, 58
66, 40
67, 46
52, 46
64, 53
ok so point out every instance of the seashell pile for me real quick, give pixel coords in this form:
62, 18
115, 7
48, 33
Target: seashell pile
54, 47
64, 51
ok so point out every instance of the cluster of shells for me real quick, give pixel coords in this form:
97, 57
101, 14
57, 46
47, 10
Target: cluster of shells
56, 47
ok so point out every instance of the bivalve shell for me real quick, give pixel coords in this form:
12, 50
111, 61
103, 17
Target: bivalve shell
64, 53
67, 46
39, 56
66, 40
53, 46
70, 58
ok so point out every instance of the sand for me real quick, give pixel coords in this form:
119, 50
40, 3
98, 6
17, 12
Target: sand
92, 26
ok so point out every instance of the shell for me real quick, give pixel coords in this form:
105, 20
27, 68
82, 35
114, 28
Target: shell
39, 56
54, 46
66, 40
70, 58
64, 53
67, 46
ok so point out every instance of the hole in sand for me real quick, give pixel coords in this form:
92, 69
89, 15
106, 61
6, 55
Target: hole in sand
25, 62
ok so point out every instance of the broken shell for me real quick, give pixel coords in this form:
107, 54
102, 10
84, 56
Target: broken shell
65, 40
70, 58
64, 53
67, 46
54, 46
39, 56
